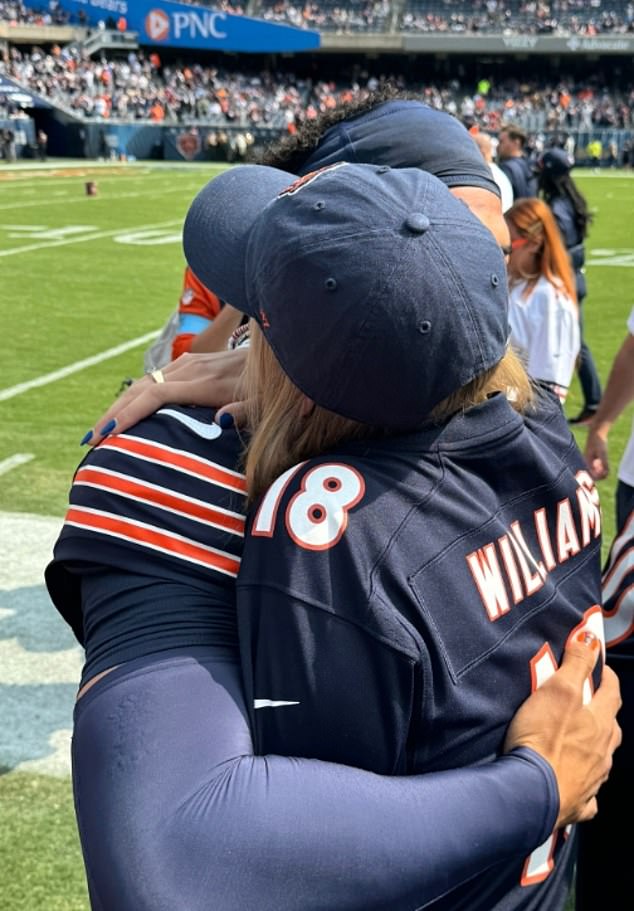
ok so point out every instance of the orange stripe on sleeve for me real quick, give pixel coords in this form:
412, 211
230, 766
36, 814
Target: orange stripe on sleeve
177, 459
153, 538
161, 497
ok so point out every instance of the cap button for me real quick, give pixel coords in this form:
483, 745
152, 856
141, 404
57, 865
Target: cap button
417, 222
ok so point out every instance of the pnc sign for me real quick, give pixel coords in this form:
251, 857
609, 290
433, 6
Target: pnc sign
191, 24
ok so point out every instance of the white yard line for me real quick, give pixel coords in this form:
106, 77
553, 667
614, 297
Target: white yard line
38, 182
80, 198
47, 378
98, 235
40, 663
20, 458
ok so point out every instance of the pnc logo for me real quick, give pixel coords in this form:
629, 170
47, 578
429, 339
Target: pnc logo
157, 25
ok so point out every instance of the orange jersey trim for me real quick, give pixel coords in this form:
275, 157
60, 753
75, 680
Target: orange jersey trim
117, 483
153, 538
179, 460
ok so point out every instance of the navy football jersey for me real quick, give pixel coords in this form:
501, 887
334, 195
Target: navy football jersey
399, 600
164, 499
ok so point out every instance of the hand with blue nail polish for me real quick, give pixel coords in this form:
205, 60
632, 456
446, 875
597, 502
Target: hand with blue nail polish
86, 438
108, 428
211, 380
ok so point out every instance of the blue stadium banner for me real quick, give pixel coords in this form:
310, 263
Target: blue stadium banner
167, 24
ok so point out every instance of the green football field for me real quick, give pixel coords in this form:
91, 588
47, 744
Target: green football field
85, 282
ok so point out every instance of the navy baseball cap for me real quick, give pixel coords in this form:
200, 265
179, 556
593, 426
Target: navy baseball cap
556, 162
406, 134
379, 292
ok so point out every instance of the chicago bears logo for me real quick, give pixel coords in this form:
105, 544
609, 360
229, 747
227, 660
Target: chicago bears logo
157, 25
301, 182
188, 144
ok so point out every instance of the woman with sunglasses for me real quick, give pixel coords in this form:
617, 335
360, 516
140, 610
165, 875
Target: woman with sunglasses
543, 312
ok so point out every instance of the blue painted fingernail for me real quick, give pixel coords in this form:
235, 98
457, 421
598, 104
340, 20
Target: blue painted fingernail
108, 428
86, 438
226, 420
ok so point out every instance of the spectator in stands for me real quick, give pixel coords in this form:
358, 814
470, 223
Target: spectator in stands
571, 213
221, 96
512, 159
485, 144
543, 312
598, 848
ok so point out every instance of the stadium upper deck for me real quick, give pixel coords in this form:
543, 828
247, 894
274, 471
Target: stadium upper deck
364, 46
140, 86
556, 17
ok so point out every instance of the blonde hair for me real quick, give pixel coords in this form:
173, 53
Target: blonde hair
283, 434
533, 219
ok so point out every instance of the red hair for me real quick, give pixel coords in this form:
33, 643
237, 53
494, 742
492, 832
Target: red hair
533, 219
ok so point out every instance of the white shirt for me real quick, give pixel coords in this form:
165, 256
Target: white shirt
545, 332
626, 468
504, 184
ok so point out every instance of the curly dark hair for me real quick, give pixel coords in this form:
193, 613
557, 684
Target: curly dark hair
290, 152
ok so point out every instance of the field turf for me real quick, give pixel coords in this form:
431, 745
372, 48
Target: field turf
84, 282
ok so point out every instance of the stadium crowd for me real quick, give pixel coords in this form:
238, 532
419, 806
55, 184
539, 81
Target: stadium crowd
140, 87
457, 16
532, 16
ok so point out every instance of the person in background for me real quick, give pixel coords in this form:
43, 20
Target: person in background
201, 324
485, 143
542, 298
594, 151
512, 159
599, 850
570, 209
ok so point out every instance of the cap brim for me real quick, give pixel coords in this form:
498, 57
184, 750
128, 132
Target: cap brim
218, 225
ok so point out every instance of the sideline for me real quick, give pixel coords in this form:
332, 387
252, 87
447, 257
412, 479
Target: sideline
47, 378
40, 662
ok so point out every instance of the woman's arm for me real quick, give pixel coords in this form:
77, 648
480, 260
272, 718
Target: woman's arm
210, 380
174, 810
